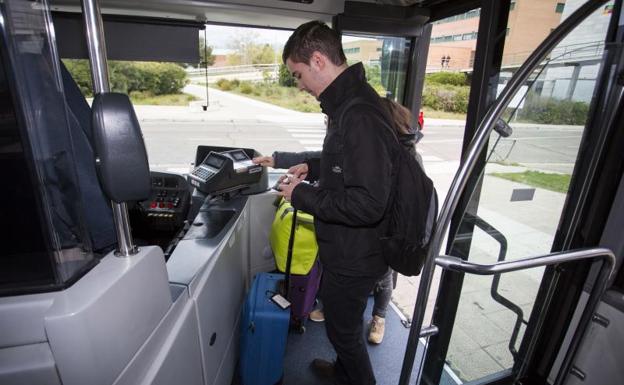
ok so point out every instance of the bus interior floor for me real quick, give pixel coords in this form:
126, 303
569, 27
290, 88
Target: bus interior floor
386, 357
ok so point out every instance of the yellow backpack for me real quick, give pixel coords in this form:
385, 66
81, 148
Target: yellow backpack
305, 248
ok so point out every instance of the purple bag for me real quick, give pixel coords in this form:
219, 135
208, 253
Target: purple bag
302, 294
300, 290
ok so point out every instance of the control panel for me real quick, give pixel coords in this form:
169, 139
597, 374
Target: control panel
168, 204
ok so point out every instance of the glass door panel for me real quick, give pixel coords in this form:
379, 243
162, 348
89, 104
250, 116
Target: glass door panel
516, 210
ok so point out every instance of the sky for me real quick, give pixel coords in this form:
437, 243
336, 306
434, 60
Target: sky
221, 37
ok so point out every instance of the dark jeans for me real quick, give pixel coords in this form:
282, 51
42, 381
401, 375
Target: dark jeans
344, 301
382, 293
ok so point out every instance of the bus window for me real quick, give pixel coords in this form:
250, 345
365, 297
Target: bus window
385, 60
46, 245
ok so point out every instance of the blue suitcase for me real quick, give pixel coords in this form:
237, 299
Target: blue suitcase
264, 328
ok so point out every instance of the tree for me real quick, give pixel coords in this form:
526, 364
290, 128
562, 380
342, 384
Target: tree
264, 54
234, 59
205, 53
243, 43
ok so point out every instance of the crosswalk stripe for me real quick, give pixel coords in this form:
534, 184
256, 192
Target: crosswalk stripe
310, 141
431, 158
302, 130
308, 136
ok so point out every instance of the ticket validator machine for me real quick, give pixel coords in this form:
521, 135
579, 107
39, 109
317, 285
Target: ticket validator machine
222, 170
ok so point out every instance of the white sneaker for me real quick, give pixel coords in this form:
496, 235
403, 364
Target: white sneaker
377, 329
317, 315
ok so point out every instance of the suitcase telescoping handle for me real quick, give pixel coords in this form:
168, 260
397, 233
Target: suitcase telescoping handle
291, 242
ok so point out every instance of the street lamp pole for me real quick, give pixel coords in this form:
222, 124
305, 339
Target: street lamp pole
205, 107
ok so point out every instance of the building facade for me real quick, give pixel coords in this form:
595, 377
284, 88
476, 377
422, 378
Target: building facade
367, 51
530, 21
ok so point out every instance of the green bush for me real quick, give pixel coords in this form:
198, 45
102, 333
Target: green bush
285, 78
460, 99
446, 98
450, 78
553, 111
267, 76
171, 77
373, 75
246, 88
224, 84
235, 83
127, 77
80, 71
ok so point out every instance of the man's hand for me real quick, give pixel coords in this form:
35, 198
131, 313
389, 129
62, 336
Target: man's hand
299, 171
288, 185
266, 161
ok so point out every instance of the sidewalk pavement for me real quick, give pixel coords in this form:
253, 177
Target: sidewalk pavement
223, 106
483, 327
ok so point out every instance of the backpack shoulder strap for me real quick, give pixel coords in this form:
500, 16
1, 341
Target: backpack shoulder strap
358, 100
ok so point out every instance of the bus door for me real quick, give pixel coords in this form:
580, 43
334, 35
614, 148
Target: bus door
392, 45
528, 197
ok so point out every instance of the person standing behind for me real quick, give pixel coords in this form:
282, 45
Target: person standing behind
354, 177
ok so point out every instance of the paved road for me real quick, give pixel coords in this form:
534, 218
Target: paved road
172, 134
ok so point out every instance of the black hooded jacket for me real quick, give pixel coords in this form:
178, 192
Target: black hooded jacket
354, 179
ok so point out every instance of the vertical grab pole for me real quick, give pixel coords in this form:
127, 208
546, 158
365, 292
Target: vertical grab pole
94, 30
206, 66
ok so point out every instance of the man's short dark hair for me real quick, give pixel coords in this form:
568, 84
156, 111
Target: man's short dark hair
314, 36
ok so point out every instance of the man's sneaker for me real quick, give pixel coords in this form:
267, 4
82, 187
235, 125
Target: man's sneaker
317, 315
377, 329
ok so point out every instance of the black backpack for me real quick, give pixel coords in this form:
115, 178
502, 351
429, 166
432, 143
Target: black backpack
412, 210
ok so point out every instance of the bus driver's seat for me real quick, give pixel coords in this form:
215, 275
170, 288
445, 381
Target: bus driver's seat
96, 210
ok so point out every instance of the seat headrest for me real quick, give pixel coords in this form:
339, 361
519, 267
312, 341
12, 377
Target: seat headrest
122, 164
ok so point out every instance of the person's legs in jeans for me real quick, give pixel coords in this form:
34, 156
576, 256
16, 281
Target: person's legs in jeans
344, 301
382, 294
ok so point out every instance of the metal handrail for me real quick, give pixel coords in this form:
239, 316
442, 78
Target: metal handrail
460, 265
496, 296
606, 270
467, 165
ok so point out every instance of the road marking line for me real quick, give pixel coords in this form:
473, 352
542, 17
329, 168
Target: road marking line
306, 130
318, 136
311, 141
431, 158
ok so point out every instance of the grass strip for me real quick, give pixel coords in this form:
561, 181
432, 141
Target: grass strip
548, 181
140, 98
